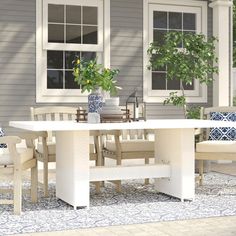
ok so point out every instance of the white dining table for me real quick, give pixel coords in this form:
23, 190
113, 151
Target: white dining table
173, 169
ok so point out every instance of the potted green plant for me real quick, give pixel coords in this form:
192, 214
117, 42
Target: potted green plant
186, 57
94, 78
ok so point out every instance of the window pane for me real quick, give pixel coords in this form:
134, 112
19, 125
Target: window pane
54, 59
69, 81
160, 19
73, 14
189, 21
73, 34
90, 35
88, 55
175, 20
180, 45
55, 13
189, 87
90, 15
69, 58
54, 79
158, 36
158, 80
173, 84
55, 33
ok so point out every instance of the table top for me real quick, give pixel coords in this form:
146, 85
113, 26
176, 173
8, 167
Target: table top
149, 124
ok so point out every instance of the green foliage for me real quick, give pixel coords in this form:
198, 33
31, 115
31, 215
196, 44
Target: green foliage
234, 101
176, 100
185, 57
92, 76
193, 112
193, 61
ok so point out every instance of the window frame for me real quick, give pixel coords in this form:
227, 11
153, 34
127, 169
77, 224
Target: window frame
44, 95
71, 46
199, 94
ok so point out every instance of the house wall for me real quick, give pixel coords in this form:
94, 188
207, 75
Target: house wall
127, 54
18, 53
17, 60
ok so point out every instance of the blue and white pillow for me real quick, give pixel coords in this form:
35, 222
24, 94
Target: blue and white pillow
2, 145
223, 133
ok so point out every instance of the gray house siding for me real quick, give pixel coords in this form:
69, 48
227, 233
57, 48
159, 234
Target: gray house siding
127, 54
18, 53
17, 60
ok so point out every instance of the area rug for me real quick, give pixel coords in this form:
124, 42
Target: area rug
224, 168
136, 204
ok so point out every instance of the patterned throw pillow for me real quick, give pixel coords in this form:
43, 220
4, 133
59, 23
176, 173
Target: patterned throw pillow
2, 145
223, 133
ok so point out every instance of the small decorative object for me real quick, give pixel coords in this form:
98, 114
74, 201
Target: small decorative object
95, 102
81, 115
94, 117
111, 110
94, 78
2, 145
136, 108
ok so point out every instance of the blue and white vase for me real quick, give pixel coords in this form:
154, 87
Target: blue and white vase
95, 103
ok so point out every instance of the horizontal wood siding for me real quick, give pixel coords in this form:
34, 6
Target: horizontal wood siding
17, 61
18, 53
127, 45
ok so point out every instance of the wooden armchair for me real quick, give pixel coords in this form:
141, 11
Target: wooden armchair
219, 143
129, 144
46, 148
14, 161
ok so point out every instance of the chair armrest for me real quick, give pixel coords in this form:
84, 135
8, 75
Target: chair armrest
30, 137
9, 140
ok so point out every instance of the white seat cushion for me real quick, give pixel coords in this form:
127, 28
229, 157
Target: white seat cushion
6, 159
216, 146
131, 145
52, 148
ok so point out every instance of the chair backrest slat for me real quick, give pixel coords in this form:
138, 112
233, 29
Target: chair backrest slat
54, 113
50, 113
48, 117
57, 116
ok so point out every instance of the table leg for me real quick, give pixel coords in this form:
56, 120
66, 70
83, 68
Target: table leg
176, 147
72, 167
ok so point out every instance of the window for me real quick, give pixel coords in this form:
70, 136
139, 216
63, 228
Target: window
67, 29
163, 22
186, 17
60, 69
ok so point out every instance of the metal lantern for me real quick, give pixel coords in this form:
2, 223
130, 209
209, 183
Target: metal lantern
135, 107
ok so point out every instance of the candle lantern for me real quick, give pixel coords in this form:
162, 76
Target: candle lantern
136, 108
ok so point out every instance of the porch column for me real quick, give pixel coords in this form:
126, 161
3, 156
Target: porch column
222, 30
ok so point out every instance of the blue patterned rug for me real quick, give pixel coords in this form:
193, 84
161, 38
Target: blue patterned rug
136, 204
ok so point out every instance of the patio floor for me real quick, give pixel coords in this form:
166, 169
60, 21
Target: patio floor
217, 226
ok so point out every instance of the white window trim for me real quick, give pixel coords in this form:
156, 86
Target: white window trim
44, 95
153, 96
